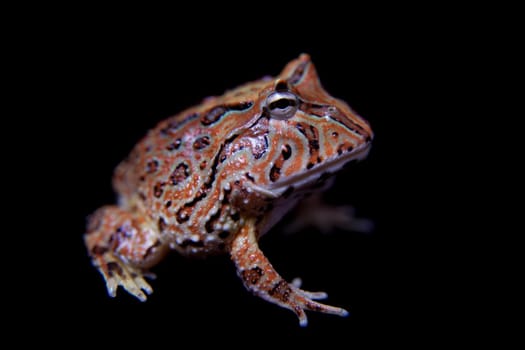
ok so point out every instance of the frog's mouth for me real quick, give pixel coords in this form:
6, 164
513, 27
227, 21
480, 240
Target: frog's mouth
320, 172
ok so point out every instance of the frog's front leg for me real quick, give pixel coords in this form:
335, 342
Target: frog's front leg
259, 276
122, 245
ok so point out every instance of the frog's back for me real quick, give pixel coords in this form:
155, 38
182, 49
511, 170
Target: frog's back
172, 162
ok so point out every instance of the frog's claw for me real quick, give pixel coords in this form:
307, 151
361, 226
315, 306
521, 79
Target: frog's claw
116, 273
260, 278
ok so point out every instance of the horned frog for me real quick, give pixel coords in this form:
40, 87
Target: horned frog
216, 177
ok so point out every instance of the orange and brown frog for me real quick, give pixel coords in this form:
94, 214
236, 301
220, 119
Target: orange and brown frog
216, 177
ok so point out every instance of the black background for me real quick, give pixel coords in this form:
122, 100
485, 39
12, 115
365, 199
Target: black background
110, 85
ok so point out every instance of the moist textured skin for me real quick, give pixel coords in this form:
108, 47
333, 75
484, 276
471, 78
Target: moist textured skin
216, 177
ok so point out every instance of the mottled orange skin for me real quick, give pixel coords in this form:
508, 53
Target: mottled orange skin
219, 175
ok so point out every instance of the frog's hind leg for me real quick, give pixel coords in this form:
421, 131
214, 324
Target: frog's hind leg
122, 245
259, 276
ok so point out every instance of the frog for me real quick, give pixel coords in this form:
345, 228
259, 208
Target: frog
216, 177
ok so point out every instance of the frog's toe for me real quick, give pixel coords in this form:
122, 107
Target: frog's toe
116, 273
304, 301
297, 282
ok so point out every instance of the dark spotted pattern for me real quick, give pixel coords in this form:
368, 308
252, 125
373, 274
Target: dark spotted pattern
98, 250
344, 147
208, 184
152, 166
281, 290
286, 152
201, 143
174, 145
162, 224
114, 268
181, 173
158, 189
183, 214
216, 113
335, 114
275, 171
211, 222
213, 115
312, 135
253, 275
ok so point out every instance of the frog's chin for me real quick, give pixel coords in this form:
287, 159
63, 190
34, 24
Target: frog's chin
319, 171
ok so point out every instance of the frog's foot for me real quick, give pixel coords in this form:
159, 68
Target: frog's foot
313, 212
122, 245
117, 273
299, 300
259, 276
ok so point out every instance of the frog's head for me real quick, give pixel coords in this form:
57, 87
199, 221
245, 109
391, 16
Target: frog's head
285, 132
311, 133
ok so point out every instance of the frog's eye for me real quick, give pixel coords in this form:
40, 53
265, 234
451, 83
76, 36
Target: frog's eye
282, 104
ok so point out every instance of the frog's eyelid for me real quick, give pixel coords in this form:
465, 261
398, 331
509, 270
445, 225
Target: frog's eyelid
282, 104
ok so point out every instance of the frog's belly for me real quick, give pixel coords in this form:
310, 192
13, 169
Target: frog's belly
200, 248
201, 238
